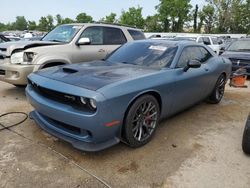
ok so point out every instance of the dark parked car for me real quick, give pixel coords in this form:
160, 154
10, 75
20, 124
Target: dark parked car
246, 137
239, 53
3, 39
95, 105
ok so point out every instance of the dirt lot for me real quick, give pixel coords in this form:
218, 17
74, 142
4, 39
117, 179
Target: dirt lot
200, 147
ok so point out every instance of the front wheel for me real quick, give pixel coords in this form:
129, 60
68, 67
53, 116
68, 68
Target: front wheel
141, 121
218, 91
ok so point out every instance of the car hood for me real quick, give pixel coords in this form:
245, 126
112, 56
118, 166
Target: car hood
9, 47
95, 75
236, 55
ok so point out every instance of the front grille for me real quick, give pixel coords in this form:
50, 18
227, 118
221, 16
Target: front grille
2, 72
64, 98
51, 94
64, 126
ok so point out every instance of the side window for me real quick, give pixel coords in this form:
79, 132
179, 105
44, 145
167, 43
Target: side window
95, 34
215, 40
114, 36
206, 41
189, 53
1, 40
136, 35
200, 40
205, 55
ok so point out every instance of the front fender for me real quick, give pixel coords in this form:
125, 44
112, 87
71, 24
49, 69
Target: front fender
46, 59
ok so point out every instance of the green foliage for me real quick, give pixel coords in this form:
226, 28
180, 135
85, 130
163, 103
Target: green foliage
50, 21
217, 16
67, 21
153, 24
173, 14
132, 17
195, 17
83, 18
32, 25
110, 18
21, 23
59, 19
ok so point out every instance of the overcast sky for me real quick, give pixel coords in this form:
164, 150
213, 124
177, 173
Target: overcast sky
34, 9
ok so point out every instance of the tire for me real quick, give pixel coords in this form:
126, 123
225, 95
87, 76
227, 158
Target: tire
141, 121
218, 91
246, 138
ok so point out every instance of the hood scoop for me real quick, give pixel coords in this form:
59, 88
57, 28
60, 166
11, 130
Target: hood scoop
69, 70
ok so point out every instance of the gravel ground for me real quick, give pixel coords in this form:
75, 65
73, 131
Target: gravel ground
200, 147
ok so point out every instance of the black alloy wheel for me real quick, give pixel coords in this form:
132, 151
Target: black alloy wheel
141, 121
218, 91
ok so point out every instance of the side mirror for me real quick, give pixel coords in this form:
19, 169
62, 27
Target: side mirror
192, 64
83, 41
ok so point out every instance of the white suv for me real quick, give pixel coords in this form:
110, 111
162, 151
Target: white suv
210, 41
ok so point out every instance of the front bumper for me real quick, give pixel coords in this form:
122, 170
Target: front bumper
15, 74
78, 144
85, 131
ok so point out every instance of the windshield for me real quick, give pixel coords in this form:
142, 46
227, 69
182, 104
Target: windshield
240, 45
63, 33
150, 54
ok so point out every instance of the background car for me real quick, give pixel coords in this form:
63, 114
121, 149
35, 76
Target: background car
246, 137
211, 41
66, 44
95, 105
3, 38
239, 53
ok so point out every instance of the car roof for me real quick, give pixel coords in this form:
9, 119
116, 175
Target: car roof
103, 24
168, 42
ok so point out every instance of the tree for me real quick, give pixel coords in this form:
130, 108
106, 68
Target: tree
59, 19
132, 17
43, 23
3, 27
173, 14
21, 23
110, 18
209, 19
50, 21
67, 21
195, 17
83, 18
153, 24
32, 25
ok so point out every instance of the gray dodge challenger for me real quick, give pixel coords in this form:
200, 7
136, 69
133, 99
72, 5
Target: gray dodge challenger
97, 104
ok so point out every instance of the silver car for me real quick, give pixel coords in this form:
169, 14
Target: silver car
66, 44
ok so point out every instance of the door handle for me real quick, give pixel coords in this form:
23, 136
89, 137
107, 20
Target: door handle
206, 69
101, 50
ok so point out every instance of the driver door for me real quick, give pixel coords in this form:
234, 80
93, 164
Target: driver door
190, 86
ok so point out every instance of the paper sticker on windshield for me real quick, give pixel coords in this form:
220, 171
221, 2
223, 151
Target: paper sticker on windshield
159, 48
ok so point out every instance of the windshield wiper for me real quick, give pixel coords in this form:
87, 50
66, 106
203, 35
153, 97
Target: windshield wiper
55, 40
128, 63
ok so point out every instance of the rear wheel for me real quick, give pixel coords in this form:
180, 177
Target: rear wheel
141, 121
246, 138
218, 91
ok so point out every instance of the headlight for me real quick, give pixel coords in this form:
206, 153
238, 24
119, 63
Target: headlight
90, 103
28, 57
17, 58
